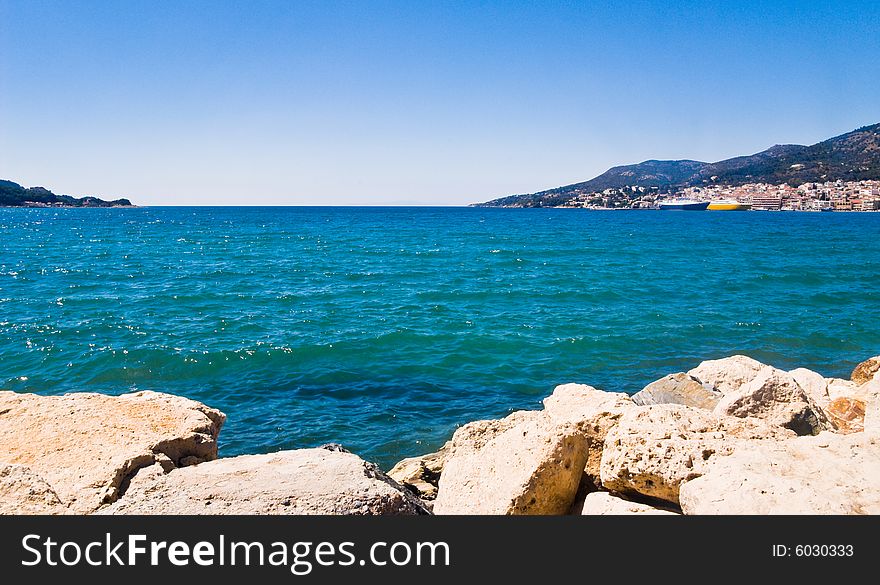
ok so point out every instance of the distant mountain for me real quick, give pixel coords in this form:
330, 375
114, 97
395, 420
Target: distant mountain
14, 195
854, 156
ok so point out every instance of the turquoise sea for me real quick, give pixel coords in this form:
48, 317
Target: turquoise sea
385, 328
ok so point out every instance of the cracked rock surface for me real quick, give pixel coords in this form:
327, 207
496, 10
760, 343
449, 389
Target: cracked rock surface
303, 481
84, 447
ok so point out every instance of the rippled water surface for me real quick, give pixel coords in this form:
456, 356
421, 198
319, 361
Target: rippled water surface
385, 328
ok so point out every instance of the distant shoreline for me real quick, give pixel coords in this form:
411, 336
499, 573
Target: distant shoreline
839, 172
642, 209
69, 206
14, 195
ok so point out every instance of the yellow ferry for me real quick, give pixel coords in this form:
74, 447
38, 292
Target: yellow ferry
728, 205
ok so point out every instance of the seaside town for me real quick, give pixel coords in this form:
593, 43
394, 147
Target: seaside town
828, 196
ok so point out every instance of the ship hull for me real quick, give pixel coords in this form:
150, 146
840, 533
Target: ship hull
700, 206
729, 207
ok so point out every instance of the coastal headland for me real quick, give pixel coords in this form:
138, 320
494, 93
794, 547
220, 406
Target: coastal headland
730, 436
838, 174
14, 195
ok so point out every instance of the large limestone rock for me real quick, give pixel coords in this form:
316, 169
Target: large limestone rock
813, 384
85, 446
605, 504
846, 415
475, 435
593, 413
24, 492
825, 474
678, 388
305, 481
775, 396
865, 371
839, 388
523, 464
728, 374
841, 401
654, 449
421, 474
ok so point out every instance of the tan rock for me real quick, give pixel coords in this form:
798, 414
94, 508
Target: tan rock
838, 388
678, 388
836, 398
86, 445
580, 404
305, 481
592, 412
654, 449
846, 415
421, 474
865, 371
727, 374
813, 383
825, 474
841, 400
474, 435
605, 504
775, 396
524, 464
24, 492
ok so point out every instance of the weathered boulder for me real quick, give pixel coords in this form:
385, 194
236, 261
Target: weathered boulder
839, 388
775, 396
605, 504
651, 451
813, 384
840, 400
654, 449
678, 388
474, 435
24, 492
824, 474
592, 412
524, 464
85, 445
582, 405
865, 371
727, 374
421, 474
846, 415
305, 481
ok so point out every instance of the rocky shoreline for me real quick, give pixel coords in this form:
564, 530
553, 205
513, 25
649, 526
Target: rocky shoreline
731, 436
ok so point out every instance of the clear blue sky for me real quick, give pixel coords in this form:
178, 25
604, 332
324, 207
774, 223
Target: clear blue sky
290, 103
